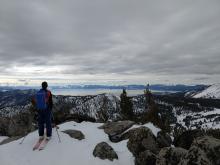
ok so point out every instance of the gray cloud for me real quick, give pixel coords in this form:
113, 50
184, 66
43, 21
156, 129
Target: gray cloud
128, 41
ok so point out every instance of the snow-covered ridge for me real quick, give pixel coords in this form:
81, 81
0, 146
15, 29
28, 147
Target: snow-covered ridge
69, 151
211, 92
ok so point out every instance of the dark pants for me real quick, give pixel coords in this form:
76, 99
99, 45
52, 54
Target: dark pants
44, 118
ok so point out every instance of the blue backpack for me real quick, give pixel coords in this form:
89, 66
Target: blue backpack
41, 100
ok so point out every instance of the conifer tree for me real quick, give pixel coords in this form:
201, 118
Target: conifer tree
126, 105
152, 110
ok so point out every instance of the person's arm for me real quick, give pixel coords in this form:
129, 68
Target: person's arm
50, 101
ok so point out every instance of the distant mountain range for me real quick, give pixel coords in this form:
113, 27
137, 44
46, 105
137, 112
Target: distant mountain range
156, 87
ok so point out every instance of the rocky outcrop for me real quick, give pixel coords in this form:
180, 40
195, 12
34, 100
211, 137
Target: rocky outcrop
204, 150
18, 125
123, 136
185, 139
104, 151
170, 156
146, 157
115, 128
142, 139
76, 134
163, 139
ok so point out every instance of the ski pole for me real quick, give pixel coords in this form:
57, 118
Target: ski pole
56, 127
23, 139
24, 136
58, 135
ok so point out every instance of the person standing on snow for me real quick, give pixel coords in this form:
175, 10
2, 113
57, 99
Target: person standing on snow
44, 104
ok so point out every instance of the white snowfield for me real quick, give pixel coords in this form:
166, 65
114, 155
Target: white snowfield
70, 151
211, 92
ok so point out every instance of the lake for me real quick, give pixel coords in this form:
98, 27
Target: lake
84, 92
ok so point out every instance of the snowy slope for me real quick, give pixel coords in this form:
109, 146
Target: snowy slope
69, 151
3, 138
211, 92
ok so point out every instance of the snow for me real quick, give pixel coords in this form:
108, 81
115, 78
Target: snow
69, 151
215, 111
150, 125
153, 128
3, 138
211, 92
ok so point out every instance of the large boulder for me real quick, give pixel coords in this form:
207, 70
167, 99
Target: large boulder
116, 128
163, 139
204, 150
105, 151
76, 134
170, 156
146, 157
142, 139
123, 136
185, 139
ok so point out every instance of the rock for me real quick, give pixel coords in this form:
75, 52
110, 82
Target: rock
185, 139
75, 134
116, 128
163, 139
116, 138
123, 136
105, 151
204, 150
146, 157
214, 133
150, 143
18, 125
142, 139
8, 140
170, 156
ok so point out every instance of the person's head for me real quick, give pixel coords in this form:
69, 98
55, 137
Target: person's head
44, 85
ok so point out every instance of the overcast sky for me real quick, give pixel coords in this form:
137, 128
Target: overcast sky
109, 41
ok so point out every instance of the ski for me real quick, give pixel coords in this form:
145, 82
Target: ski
43, 144
37, 145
